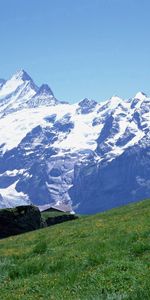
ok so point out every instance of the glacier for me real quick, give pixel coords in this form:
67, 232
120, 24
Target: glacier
88, 156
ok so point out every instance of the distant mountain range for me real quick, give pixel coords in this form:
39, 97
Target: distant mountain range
86, 157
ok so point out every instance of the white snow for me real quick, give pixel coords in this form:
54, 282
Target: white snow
10, 86
11, 196
13, 172
15, 126
140, 96
114, 102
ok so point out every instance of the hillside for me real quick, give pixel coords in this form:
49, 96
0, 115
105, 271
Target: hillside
104, 256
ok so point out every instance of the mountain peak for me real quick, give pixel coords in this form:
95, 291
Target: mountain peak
45, 89
114, 101
86, 106
22, 75
87, 102
140, 96
115, 98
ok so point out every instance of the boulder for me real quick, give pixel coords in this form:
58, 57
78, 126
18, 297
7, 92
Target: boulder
19, 220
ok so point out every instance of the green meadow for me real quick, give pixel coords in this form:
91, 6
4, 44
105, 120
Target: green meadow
103, 256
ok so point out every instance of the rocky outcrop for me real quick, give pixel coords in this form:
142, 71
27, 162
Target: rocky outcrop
26, 218
20, 220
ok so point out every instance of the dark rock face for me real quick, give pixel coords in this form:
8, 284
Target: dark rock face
20, 220
123, 180
45, 89
86, 106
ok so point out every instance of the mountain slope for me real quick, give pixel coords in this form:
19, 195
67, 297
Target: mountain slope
105, 256
84, 156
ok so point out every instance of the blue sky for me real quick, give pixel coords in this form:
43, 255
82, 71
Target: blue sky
82, 48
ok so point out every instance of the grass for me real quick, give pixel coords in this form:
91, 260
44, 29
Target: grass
51, 214
104, 256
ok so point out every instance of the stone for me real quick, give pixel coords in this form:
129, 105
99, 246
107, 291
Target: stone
20, 219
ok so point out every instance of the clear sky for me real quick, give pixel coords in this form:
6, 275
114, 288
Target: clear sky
81, 48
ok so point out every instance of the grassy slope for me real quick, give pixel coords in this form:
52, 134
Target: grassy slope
105, 256
48, 214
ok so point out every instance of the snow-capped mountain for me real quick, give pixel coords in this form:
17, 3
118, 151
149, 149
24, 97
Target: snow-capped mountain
21, 92
87, 156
